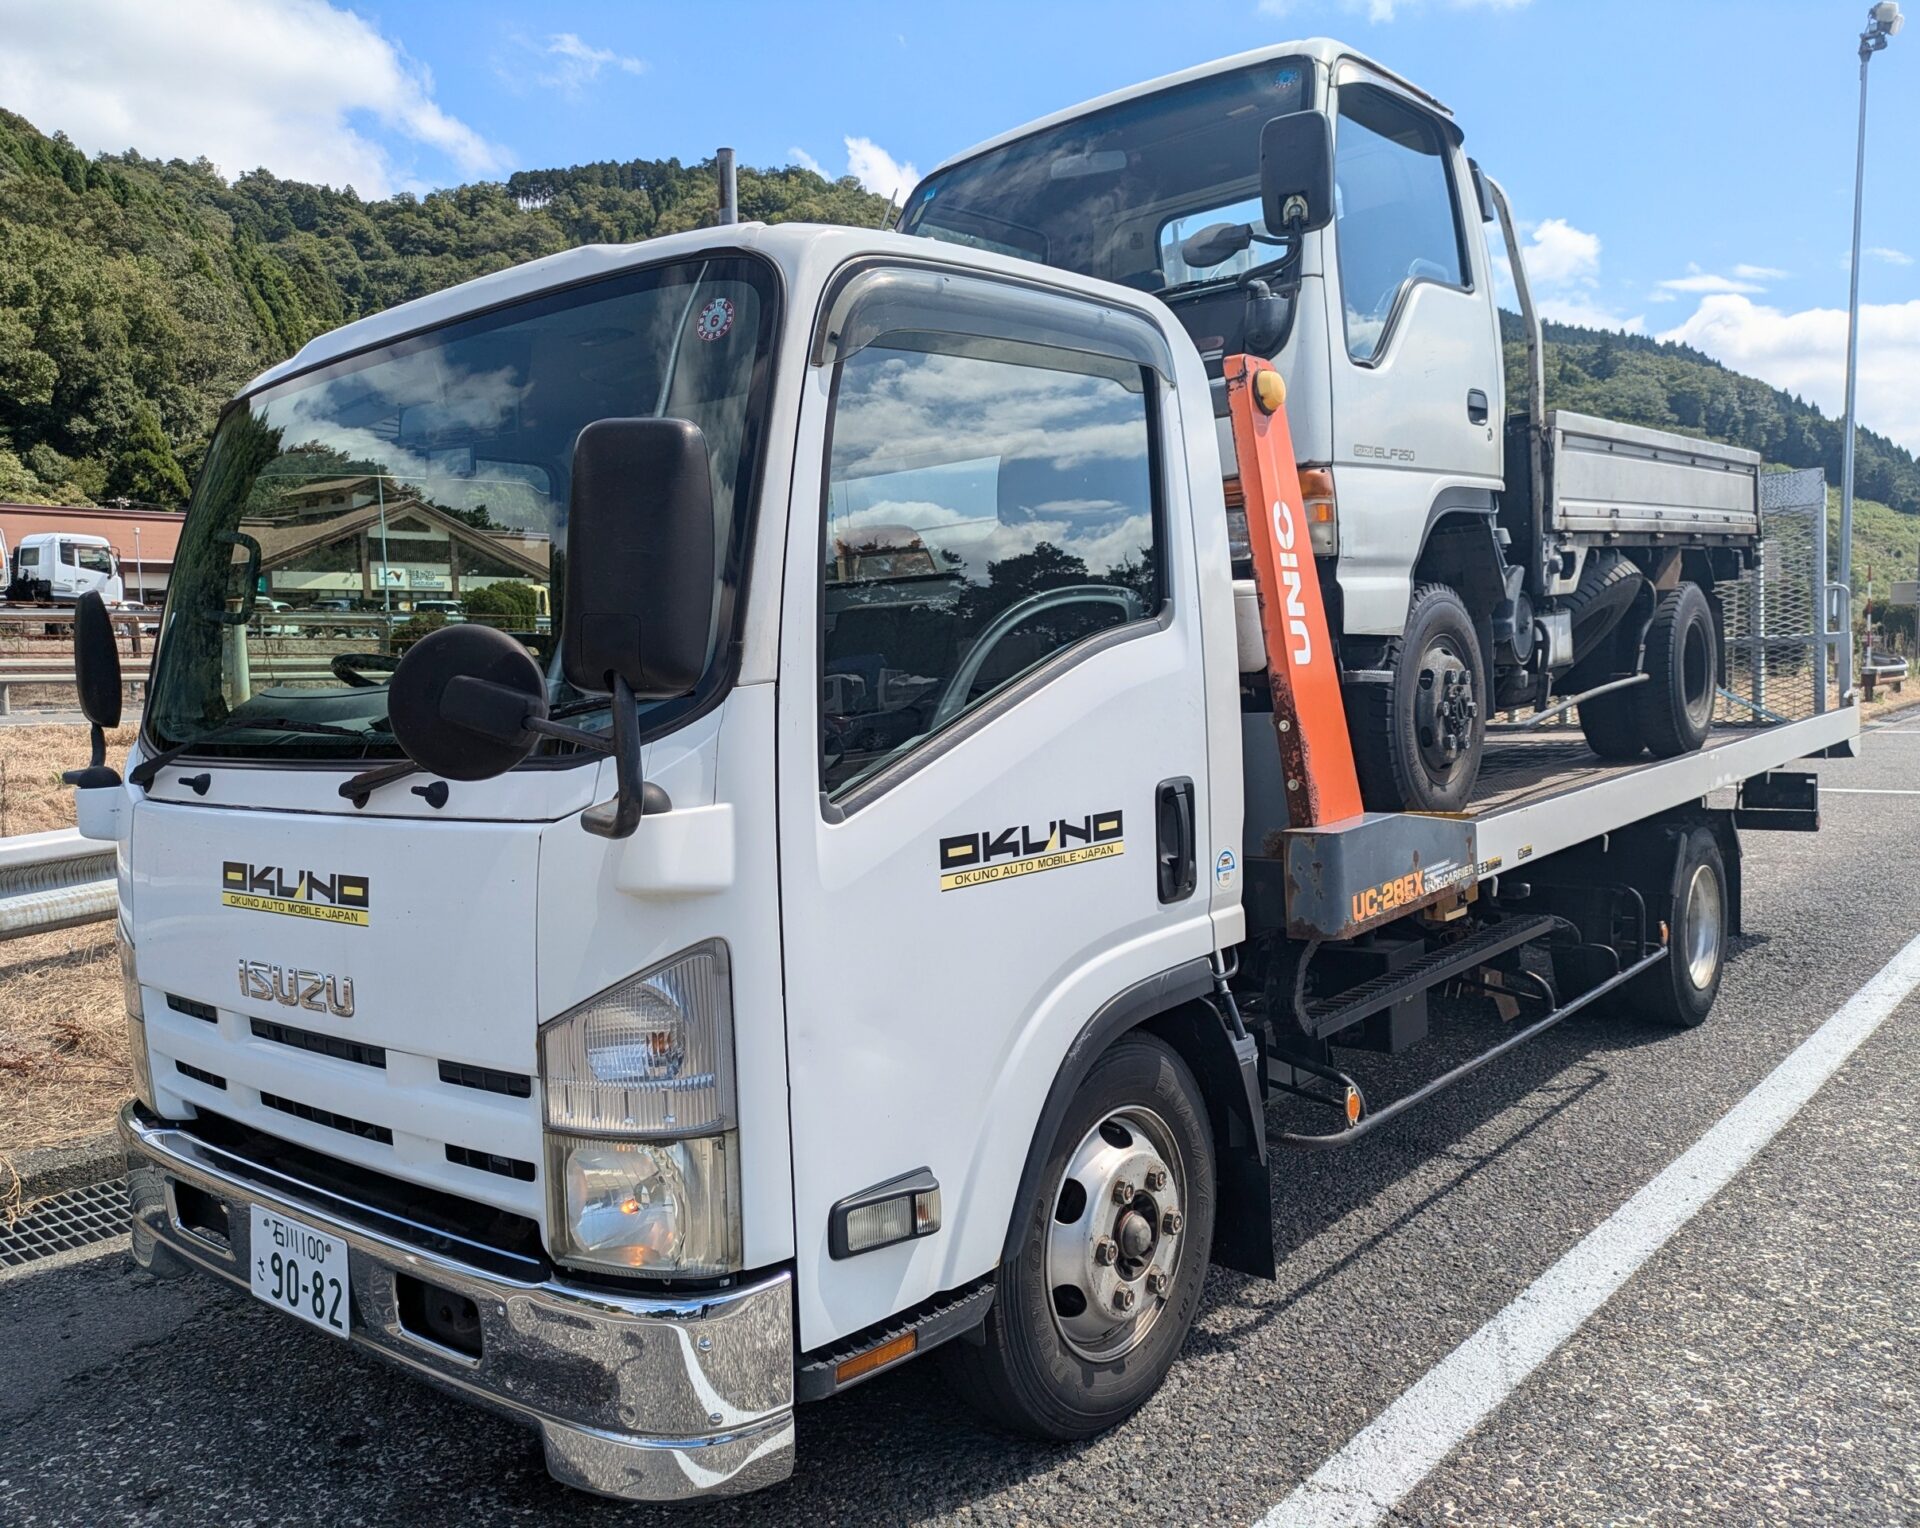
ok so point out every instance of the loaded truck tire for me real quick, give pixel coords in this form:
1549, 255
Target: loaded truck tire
1106, 1254
1417, 738
1611, 725
1673, 710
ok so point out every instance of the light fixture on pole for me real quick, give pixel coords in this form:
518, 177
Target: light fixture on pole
1883, 22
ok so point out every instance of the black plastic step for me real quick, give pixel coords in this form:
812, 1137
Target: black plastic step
1344, 1009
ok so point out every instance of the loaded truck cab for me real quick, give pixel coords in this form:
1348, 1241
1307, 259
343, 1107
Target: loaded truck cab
871, 919
1307, 204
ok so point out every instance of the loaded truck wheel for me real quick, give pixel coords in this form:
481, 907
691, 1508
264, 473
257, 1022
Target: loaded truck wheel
1417, 738
1611, 725
1673, 710
1681, 989
1106, 1254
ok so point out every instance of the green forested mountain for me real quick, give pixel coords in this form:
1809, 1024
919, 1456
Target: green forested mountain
136, 296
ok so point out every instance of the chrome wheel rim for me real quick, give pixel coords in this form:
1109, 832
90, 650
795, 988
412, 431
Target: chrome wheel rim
1701, 933
1116, 1234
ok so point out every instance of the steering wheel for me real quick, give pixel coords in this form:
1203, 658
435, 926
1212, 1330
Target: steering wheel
346, 668
953, 699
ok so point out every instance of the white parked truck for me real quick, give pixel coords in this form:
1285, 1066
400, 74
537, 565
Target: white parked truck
58, 567
1471, 562
876, 916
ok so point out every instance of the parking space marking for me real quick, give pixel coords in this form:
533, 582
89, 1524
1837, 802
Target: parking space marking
1386, 1459
1860, 790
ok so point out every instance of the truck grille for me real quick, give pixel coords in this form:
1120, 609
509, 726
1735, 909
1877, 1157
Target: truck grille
211, 1079
331, 1120
321, 1045
512, 1084
491, 1162
192, 1009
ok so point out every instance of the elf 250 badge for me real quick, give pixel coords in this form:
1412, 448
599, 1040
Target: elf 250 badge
975, 859
339, 898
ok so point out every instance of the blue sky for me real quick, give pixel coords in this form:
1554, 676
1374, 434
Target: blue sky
1686, 167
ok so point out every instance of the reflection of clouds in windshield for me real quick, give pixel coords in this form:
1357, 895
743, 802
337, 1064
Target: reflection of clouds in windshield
978, 540
980, 409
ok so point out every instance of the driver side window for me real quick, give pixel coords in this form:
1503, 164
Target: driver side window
1395, 216
989, 504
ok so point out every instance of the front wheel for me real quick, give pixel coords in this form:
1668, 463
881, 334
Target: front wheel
1417, 738
1106, 1255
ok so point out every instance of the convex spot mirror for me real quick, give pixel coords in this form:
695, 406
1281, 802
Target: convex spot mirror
1296, 172
462, 700
640, 578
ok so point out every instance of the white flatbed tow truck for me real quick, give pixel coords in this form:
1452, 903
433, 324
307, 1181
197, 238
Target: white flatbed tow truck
876, 916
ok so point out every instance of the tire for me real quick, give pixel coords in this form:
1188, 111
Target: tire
1049, 1367
1603, 599
1401, 729
1673, 710
1611, 728
1679, 992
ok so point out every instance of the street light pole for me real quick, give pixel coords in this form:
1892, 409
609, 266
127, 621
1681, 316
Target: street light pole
1883, 21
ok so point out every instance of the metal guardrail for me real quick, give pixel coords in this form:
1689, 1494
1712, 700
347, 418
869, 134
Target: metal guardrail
54, 880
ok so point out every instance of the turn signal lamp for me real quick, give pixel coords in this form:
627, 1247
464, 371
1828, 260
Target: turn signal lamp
902, 1209
1323, 522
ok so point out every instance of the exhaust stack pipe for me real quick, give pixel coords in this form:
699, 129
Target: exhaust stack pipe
729, 186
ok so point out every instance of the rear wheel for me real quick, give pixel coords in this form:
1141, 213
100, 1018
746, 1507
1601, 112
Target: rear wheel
1674, 708
1610, 726
1681, 989
1417, 738
1107, 1253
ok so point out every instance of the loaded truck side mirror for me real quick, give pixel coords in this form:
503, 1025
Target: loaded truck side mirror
1296, 172
96, 673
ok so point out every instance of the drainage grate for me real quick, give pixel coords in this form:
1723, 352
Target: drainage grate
77, 1218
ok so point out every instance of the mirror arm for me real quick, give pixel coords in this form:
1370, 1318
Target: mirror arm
633, 797
96, 774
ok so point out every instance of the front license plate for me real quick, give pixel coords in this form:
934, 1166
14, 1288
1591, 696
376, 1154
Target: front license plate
301, 1270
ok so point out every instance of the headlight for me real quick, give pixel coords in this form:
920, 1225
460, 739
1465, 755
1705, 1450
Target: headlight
642, 1156
137, 1053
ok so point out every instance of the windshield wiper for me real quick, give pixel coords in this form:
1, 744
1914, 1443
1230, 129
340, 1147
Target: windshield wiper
143, 772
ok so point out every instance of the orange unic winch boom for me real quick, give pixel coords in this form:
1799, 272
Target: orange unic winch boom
1309, 715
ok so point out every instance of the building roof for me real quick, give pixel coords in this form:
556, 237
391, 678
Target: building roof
159, 528
280, 543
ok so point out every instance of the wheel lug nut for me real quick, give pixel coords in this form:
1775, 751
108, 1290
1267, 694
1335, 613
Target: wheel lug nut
1157, 1282
1123, 1299
1156, 1179
1105, 1253
1122, 1192
1171, 1222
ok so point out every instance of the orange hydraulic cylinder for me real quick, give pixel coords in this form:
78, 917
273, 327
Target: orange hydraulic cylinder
1309, 714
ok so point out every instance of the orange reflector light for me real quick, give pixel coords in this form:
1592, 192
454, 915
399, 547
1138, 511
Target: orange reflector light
1353, 1107
1269, 391
875, 1358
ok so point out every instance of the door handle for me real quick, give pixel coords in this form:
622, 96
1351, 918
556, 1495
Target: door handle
1476, 406
1174, 829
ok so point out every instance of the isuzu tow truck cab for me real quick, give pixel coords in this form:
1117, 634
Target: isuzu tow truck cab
876, 920
1470, 561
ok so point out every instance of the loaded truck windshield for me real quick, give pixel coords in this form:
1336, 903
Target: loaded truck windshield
1115, 193
345, 512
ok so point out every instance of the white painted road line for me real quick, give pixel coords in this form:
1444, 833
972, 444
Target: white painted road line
1393, 1453
1860, 790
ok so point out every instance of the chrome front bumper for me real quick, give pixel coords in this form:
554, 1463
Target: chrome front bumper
645, 1399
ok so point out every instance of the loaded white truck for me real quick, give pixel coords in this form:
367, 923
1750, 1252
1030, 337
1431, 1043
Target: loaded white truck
879, 919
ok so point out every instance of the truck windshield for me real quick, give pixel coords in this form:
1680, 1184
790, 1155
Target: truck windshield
345, 513
1114, 193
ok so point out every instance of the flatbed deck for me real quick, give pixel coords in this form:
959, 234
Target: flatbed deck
1539, 792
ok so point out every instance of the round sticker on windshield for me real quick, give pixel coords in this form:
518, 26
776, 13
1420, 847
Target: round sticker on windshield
716, 318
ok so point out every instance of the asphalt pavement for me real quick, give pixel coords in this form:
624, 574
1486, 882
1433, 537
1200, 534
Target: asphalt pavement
1762, 1367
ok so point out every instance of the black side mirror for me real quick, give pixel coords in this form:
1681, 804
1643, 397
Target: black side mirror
1215, 244
640, 586
96, 672
1296, 172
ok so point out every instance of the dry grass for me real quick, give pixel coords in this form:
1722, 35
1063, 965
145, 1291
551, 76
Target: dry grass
32, 799
63, 1038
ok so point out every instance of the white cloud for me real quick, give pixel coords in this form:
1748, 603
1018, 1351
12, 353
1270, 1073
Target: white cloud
1887, 256
575, 64
878, 170
1805, 353
1557, 253
1581, 308
806, 161
1563, 270
1760, 273
1702, 282
246, 83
